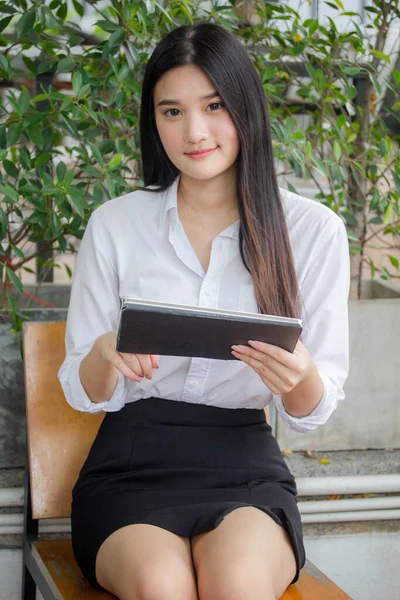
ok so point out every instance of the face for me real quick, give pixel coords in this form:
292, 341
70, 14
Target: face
187, 121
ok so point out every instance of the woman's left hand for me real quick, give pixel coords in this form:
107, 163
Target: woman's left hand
281, 371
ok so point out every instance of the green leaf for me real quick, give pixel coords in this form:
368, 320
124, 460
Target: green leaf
17, 251
337, 150
352, 92
77, 81
10, 168
375, 200
320, 166
396, 180
383, 147
24, 101
372, 267
396, 75
117, 38
341, 121
61, 169
84, 91
376, 84
13, 133
7, 9
5, 67
42, 159
108, 26
69, 272
79, 8
26, 23
44, 67
394, 261
96, 153
115, 161
4, 22
28, 62
381, 55
15, 280
351, 70
66, 65
36, 135
3, 224
388, 214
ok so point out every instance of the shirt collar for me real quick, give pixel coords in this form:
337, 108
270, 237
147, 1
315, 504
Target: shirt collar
169, 201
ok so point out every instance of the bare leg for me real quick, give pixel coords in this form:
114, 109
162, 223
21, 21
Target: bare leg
247, 556
145, 562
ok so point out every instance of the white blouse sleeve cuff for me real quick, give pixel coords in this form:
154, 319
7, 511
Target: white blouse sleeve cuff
319, 415
77, 397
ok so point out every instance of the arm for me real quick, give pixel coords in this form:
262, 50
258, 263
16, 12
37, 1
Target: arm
325, 292
93, 311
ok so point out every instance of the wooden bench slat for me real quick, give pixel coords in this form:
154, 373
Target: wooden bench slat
57, 559
59, 436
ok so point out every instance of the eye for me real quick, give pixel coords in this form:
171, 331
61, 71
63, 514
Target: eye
221, 104
169, 110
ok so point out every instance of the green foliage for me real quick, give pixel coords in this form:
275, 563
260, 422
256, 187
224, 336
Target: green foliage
69, 137
348, 144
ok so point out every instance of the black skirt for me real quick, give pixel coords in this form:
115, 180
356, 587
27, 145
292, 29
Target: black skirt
182, 467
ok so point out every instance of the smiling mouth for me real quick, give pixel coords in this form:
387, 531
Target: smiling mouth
200, 152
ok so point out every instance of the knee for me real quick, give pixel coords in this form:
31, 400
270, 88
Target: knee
240, 583
163, 584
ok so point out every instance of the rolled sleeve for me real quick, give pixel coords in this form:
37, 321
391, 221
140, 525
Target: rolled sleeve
324, 293
93, 310
76, 394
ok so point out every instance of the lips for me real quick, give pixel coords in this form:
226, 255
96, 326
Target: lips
199, 152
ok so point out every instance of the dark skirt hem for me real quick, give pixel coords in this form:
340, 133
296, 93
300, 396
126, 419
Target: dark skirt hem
89, 570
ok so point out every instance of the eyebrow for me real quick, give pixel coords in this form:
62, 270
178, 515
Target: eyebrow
207, 97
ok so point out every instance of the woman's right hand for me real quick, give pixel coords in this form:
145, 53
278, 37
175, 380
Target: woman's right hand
133, 366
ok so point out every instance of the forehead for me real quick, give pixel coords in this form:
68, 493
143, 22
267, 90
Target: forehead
183, 82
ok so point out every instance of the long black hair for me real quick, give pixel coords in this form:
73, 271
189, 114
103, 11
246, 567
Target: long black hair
263, 238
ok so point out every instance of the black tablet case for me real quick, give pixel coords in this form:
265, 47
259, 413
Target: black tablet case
181, 332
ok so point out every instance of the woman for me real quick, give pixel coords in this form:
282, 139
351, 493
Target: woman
185, 494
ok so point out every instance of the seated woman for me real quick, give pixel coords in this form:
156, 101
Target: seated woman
185, 494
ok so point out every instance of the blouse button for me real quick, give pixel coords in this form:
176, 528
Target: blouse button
207, 292
194, 384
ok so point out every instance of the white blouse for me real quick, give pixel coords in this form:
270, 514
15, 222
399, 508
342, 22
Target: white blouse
135, 246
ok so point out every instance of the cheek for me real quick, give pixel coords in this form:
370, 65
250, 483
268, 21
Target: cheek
227, 131
169, 137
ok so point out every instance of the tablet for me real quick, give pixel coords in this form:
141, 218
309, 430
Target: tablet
151, 327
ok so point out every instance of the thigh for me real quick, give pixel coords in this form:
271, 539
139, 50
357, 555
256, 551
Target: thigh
145, 562
247, 556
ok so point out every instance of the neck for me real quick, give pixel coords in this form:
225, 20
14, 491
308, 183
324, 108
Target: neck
209, 197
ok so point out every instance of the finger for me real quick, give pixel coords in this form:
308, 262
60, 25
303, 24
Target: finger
155, 360
272, 380
145, 363
120, 364
263, 364
279, 354
260, 357
133, 363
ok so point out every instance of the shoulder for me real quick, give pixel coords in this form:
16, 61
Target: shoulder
314, 229
129, 210
309, 214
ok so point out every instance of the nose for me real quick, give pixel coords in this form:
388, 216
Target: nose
195, 129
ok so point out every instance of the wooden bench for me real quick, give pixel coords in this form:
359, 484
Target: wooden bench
58, 441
